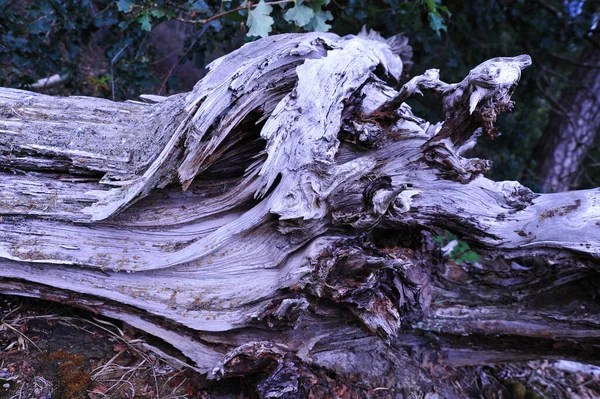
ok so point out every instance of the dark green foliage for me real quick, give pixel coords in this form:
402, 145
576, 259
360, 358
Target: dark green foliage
87, 42
42, 38
461, 252
75, 39
95, 45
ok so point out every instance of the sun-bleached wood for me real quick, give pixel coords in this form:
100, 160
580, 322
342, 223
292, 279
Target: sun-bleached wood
278, 218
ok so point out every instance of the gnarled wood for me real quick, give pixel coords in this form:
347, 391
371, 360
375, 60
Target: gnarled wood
275, 221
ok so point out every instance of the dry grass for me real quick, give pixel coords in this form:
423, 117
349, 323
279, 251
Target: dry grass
34, 367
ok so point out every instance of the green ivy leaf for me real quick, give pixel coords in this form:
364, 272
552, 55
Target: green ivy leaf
436, 22
144, 20
299, 14
157, 12
123, 25
124, 5
259, 20
170, 12
318, 24
430, 5
199, 6
444, 9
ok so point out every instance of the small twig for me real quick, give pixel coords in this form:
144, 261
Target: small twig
553, 10
103, 368
11, 312
555, 104
176, 6
588, 178
112, 74
592, 36
183, 55
8, 5
107, 323
171, 378
551, 71
20, 392
222, 14
575, 63
21, 334
155, 383
122, 381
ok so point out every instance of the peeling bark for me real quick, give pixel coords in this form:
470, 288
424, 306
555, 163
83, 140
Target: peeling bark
276, 222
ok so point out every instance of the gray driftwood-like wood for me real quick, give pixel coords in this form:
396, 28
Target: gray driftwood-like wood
276, 223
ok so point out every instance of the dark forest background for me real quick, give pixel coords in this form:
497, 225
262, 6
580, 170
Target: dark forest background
120, 49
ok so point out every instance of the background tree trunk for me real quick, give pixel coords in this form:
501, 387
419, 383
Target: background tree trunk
571, 129
300, 252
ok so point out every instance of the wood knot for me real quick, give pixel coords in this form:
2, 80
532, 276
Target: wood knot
380, 183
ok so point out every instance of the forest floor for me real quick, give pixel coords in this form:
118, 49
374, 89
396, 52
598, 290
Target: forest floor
53, 351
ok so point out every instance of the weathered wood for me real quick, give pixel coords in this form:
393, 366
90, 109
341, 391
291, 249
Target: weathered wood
276, 220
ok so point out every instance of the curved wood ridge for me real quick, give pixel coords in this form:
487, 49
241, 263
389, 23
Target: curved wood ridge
276, 219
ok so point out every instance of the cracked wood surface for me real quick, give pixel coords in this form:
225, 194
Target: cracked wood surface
290, 192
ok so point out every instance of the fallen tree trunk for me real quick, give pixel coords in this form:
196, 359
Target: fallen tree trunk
300, 248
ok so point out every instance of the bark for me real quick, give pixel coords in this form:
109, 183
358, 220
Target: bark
299, 253
571, 130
